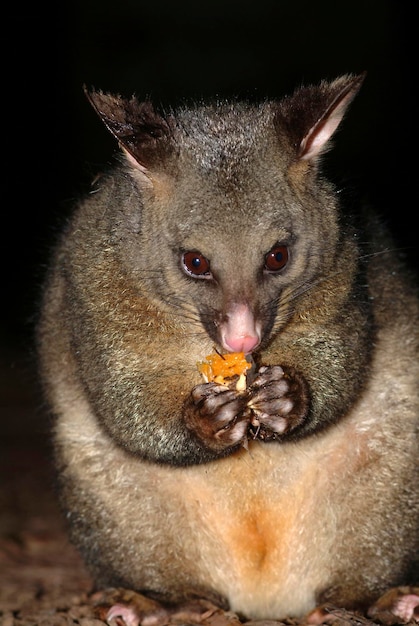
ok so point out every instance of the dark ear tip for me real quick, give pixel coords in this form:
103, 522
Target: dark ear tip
94, 97
357, 81
90, 92
136, 125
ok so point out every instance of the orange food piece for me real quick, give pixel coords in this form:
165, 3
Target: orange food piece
219, 367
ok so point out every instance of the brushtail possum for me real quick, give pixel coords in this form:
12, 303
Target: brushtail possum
217, 231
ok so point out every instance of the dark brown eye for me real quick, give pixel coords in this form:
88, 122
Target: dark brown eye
276, 259
195, 264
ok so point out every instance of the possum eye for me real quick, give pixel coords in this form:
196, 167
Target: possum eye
276, 259
195, 264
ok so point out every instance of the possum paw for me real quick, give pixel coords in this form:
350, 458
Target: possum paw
279, 401
217, 416
122, 607
398, 605
119, 614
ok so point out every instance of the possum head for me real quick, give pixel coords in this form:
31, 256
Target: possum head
234, 219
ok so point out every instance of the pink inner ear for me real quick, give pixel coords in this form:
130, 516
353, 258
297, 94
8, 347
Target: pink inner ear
133, 161
315, 141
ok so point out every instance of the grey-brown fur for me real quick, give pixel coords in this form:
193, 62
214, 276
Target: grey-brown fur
172, 492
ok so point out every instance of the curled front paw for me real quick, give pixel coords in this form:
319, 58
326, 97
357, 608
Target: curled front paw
217, 415
279, 401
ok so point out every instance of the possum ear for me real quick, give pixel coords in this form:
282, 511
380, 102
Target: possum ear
317, 138
312, 114
144, 135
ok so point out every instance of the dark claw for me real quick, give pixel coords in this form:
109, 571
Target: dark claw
218, 415
278, 400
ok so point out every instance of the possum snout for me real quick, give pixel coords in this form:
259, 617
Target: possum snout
240, 331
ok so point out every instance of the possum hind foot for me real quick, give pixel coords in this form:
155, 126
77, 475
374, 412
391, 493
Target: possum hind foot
399, 605
123, 607
399, 602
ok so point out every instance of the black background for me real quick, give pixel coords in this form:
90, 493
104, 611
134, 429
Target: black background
53, 143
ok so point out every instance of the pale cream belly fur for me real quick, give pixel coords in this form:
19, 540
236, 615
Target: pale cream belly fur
256, 527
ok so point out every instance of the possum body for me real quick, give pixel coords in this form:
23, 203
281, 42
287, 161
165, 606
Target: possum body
217, 229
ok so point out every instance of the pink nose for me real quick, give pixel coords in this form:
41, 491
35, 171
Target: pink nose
242, 344
240, 332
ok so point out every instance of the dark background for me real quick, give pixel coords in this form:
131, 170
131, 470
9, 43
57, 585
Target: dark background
53, 142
